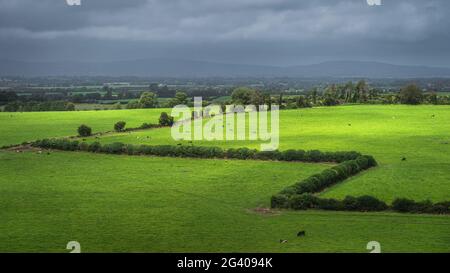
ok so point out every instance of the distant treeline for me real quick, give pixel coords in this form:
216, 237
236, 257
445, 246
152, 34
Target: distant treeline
334, 94
35, 106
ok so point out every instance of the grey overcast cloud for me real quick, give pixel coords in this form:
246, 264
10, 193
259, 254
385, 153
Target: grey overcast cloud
275, 32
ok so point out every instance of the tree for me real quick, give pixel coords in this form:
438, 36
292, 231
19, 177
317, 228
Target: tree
119, 126
117, 106
181, 98
148, 100
411, 94
70, 106
302, 102
246, 96
361, 91
432, 98
12, 107
268, 101
314, 95
84, 130
109, 94
133, 105
349, 90
165, 119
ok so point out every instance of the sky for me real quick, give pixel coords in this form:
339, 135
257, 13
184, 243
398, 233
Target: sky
269, 32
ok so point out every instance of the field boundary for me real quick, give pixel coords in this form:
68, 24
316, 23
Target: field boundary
300, 196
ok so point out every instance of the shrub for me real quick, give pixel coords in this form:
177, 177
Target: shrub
303, 201
279, 201
148, 126
165, 119
83, 147
84, 130
441, 208
120, 126
314, 156
114, 148
95, 147
370, 203
292, 155
403, 205
350, 203
267, 155
145, 150
330, 204
371, 160
408, 205
130, 149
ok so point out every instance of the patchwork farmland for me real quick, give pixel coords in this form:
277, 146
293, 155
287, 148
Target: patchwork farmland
122, 203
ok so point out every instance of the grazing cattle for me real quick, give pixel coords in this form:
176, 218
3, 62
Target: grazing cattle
404, 159
283, 241
301, 233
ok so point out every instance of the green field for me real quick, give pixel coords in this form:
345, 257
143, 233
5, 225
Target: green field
29, 126
148, 204
389, 133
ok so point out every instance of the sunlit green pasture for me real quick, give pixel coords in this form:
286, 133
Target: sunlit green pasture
148, 204
16, 128
421, 134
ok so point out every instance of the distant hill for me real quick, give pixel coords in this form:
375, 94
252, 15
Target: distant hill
188, 68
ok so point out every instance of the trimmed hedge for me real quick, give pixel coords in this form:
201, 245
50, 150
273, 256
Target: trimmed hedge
310, 201
411, 206
198, 151
329, 177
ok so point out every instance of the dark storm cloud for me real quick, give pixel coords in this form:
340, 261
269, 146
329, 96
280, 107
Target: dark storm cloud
254, 31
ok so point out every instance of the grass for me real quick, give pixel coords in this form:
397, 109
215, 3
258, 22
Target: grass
389, 133
145, 204
28, 126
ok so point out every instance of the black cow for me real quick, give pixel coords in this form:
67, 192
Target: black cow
301, 233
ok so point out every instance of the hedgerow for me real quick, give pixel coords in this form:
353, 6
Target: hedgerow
411, 206
299, 196
196, 151
329, 177
309, 201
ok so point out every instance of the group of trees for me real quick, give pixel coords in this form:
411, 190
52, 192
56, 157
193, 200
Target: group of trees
33, 106
333, 94
361, 92
164, 120
150, 100
336, 94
